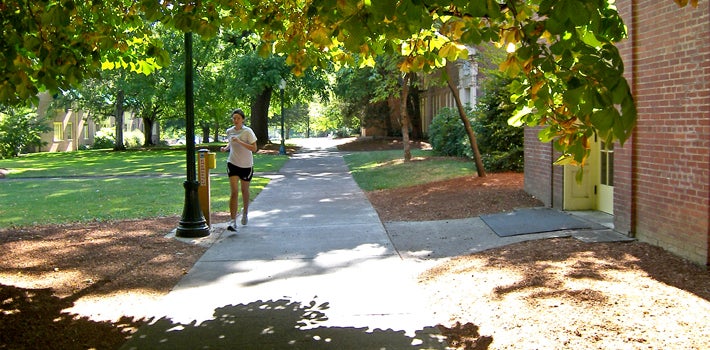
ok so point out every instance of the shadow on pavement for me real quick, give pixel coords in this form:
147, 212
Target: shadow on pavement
276, 324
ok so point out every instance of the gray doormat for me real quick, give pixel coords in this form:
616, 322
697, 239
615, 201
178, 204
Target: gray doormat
534, 220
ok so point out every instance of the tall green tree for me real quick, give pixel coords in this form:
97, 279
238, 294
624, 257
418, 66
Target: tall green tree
257, 79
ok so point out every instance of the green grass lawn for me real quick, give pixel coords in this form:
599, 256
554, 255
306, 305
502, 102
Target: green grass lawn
54, 188
379, 170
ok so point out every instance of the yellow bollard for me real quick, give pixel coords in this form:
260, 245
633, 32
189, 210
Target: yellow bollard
206, 161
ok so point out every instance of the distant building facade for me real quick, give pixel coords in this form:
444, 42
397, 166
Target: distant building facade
75, 129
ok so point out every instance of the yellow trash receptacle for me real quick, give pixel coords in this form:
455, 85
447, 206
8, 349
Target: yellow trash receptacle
206, 160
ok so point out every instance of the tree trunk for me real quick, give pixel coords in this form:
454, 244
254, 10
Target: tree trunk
119, 146
148, 131
205, 128
259, 118
150, 116
415, 116
405, 118
216, 132
467, 124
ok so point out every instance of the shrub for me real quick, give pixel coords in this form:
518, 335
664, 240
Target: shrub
104, 139
447, 134
500, 144
20, 130
133, 139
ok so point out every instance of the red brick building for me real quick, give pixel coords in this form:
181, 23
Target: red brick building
657, 186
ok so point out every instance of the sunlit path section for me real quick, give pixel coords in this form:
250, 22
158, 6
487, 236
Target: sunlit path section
314, 267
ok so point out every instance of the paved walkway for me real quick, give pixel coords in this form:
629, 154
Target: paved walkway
314, 269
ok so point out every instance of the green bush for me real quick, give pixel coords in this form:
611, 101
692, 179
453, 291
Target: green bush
20, 130
500, 145
133, 139
104, 139
447, 134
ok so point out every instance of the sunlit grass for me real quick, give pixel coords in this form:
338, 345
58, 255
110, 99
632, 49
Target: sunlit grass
56, 201
55, 188
107, 163
386, 169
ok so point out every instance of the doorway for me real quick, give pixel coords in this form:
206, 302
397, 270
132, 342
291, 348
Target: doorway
596, 189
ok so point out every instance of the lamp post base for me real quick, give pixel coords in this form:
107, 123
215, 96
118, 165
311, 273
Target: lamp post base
193, 223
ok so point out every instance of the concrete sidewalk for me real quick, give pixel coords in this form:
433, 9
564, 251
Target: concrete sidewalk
313, 269
316, 269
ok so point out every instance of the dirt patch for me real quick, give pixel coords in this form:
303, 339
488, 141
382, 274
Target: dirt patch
87, 285
114, 268
457, 198
380, 144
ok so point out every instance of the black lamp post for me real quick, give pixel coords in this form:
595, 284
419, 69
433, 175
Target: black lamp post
193, 223
282, 86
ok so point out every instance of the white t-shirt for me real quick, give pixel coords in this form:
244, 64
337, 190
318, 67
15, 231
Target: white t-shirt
238, 154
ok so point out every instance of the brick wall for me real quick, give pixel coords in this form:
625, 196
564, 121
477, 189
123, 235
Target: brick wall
662, 174
623, 155
543, 180
667, 195
538, 166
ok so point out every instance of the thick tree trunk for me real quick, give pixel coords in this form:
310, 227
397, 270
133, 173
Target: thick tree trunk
415, 113
119, 146
205, 128
259, 118
148, 131
215, 137
405, 117
467, 124
149, 119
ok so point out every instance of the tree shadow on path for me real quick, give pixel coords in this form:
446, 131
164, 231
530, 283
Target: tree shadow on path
279, 324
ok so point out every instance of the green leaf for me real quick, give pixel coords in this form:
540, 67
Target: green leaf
604, 119
545, 6
554, 25
493, 9
524, 52
621, 91
383, 9
573, 97
567, 59
577, 13
546, 135
517, 118
476, 8
589, 38
472, 35
627, 120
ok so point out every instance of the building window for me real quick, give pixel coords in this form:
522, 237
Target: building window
71, 130
86, 131
607, 168
58, 131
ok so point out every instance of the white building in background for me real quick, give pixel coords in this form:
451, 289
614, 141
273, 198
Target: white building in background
70, 129
435, 97
73, 129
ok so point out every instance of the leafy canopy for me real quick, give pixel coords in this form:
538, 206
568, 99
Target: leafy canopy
569, 73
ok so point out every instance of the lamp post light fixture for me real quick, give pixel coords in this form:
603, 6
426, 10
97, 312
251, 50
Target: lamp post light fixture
282, 86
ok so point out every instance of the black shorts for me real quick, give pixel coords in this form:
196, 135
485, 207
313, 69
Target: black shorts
244, 173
